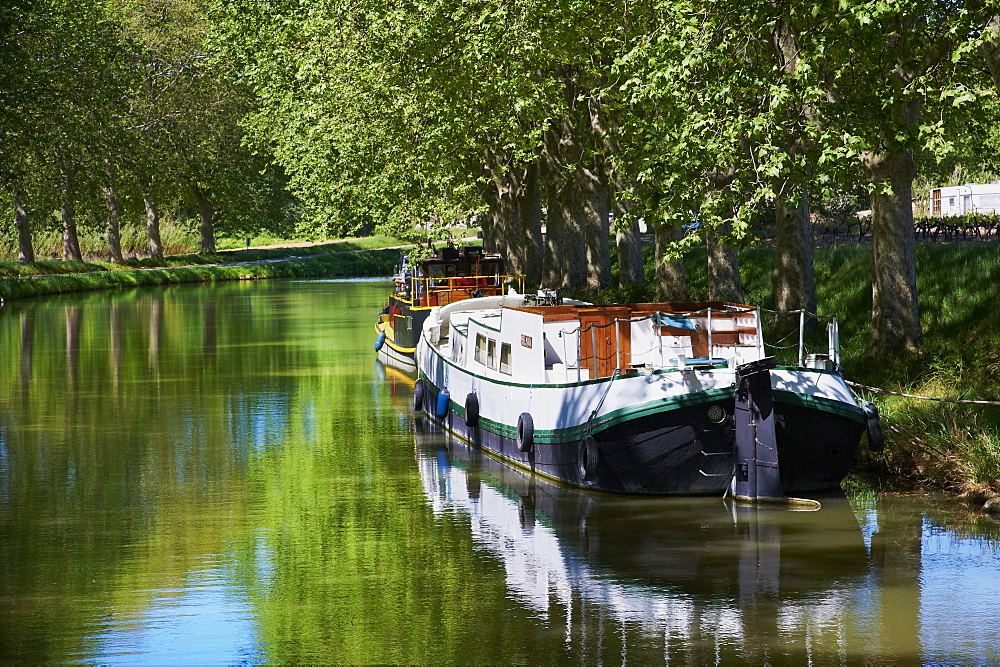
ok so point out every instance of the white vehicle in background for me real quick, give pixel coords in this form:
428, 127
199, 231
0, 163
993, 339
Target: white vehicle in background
979, 198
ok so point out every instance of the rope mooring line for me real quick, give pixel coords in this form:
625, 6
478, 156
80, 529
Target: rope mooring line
876, 390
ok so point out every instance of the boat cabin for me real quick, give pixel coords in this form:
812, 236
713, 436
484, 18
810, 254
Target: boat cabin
451, 274
570, 343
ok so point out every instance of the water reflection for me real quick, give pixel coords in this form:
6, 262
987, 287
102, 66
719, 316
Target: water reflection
695, 572
701, 579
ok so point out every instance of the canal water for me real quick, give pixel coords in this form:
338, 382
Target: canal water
223, 473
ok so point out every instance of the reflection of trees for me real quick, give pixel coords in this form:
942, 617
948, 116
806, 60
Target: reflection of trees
117, 471
282, 460
116, 334
26, 355
896, 557
73, 316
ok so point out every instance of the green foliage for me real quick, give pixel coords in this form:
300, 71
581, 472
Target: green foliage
103, 99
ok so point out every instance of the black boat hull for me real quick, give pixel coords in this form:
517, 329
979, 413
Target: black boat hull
678, 451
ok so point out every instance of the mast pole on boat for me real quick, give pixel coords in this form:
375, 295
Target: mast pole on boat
658, 329
618, 344
802, 337
710, 335
760, 332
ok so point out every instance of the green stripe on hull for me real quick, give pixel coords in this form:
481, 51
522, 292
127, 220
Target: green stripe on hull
622, 415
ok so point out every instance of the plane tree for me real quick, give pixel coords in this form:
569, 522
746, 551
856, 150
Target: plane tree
788, 96
52, 104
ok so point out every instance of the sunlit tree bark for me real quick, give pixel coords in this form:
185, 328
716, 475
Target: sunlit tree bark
25, 247
628, 244
514, 200
792, 277
206, 218
71, 243
671, 283
114, 224
153, 225
895, 313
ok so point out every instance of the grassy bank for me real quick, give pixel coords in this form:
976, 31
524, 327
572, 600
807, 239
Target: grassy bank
25, 280
945, 445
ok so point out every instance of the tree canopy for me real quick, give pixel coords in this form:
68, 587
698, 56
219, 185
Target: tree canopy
693, 115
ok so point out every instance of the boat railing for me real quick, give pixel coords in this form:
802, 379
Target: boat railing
804, 338
601, 360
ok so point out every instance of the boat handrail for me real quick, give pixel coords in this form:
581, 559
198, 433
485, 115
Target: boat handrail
641, 318
492, 284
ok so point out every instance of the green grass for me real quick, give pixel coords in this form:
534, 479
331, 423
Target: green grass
45, 267
18, 281
48, 243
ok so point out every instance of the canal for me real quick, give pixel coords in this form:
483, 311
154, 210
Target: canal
223, 473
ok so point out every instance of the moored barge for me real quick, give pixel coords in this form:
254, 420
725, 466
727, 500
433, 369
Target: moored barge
658, 398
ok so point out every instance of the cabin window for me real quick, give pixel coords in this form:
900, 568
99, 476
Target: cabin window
505, 358
491, 353
481, 348
951, 201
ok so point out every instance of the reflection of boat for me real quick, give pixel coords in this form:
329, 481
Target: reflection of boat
662, 398
450, 275
399, 376
660, 561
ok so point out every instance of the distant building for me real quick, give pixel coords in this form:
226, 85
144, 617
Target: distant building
965, 199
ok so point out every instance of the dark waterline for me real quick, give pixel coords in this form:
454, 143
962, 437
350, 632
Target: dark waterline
223, 473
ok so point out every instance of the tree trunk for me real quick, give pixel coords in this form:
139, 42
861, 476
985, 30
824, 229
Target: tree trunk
895, 313
990, 48
577, 249
792, 277
491, 222
565, 241
671, 284
25, 247
529, 226
205, 216
114, 225
628, 240
565, 246
71, 243
723, 269
153, 226
516, 211
629, 247
596, 223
